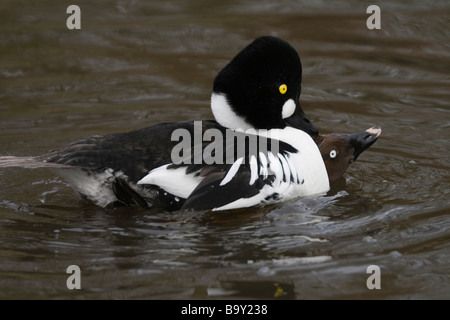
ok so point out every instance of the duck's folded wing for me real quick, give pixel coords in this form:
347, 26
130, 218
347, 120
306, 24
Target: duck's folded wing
244, 182
222, 186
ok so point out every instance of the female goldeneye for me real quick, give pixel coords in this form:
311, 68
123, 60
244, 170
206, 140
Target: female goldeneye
255, 97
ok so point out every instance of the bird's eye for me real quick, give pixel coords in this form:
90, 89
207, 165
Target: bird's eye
283, 88
333, 154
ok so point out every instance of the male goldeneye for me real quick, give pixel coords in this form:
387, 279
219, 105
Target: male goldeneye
254, 96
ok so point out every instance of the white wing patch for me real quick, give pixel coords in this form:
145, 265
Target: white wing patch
174, 181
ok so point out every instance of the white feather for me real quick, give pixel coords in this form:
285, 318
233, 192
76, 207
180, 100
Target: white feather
232, 172
275, 166
263, 166
285, 167
253, 170
292, 168
174, 181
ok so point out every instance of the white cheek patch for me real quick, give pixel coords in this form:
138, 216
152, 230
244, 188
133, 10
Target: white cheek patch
288, 109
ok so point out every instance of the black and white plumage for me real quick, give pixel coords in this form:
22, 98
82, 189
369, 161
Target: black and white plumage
296, 169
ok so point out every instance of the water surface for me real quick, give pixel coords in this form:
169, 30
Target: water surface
136, 63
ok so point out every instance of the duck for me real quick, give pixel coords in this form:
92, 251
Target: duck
255, 99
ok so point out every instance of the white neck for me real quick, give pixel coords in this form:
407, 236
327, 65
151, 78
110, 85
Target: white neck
225, 115
295, 137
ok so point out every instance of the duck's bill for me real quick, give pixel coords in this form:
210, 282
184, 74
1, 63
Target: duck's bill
299, 120
363, 140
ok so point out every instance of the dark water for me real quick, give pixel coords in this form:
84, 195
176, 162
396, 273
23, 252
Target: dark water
137, 63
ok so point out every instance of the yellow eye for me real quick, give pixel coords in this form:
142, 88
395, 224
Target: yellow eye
283, 89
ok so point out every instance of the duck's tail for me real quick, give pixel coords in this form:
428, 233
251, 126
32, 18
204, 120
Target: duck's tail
27, 162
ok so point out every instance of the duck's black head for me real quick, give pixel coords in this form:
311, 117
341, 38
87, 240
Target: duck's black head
260, 88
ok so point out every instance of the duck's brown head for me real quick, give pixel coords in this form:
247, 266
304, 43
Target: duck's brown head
339, 150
